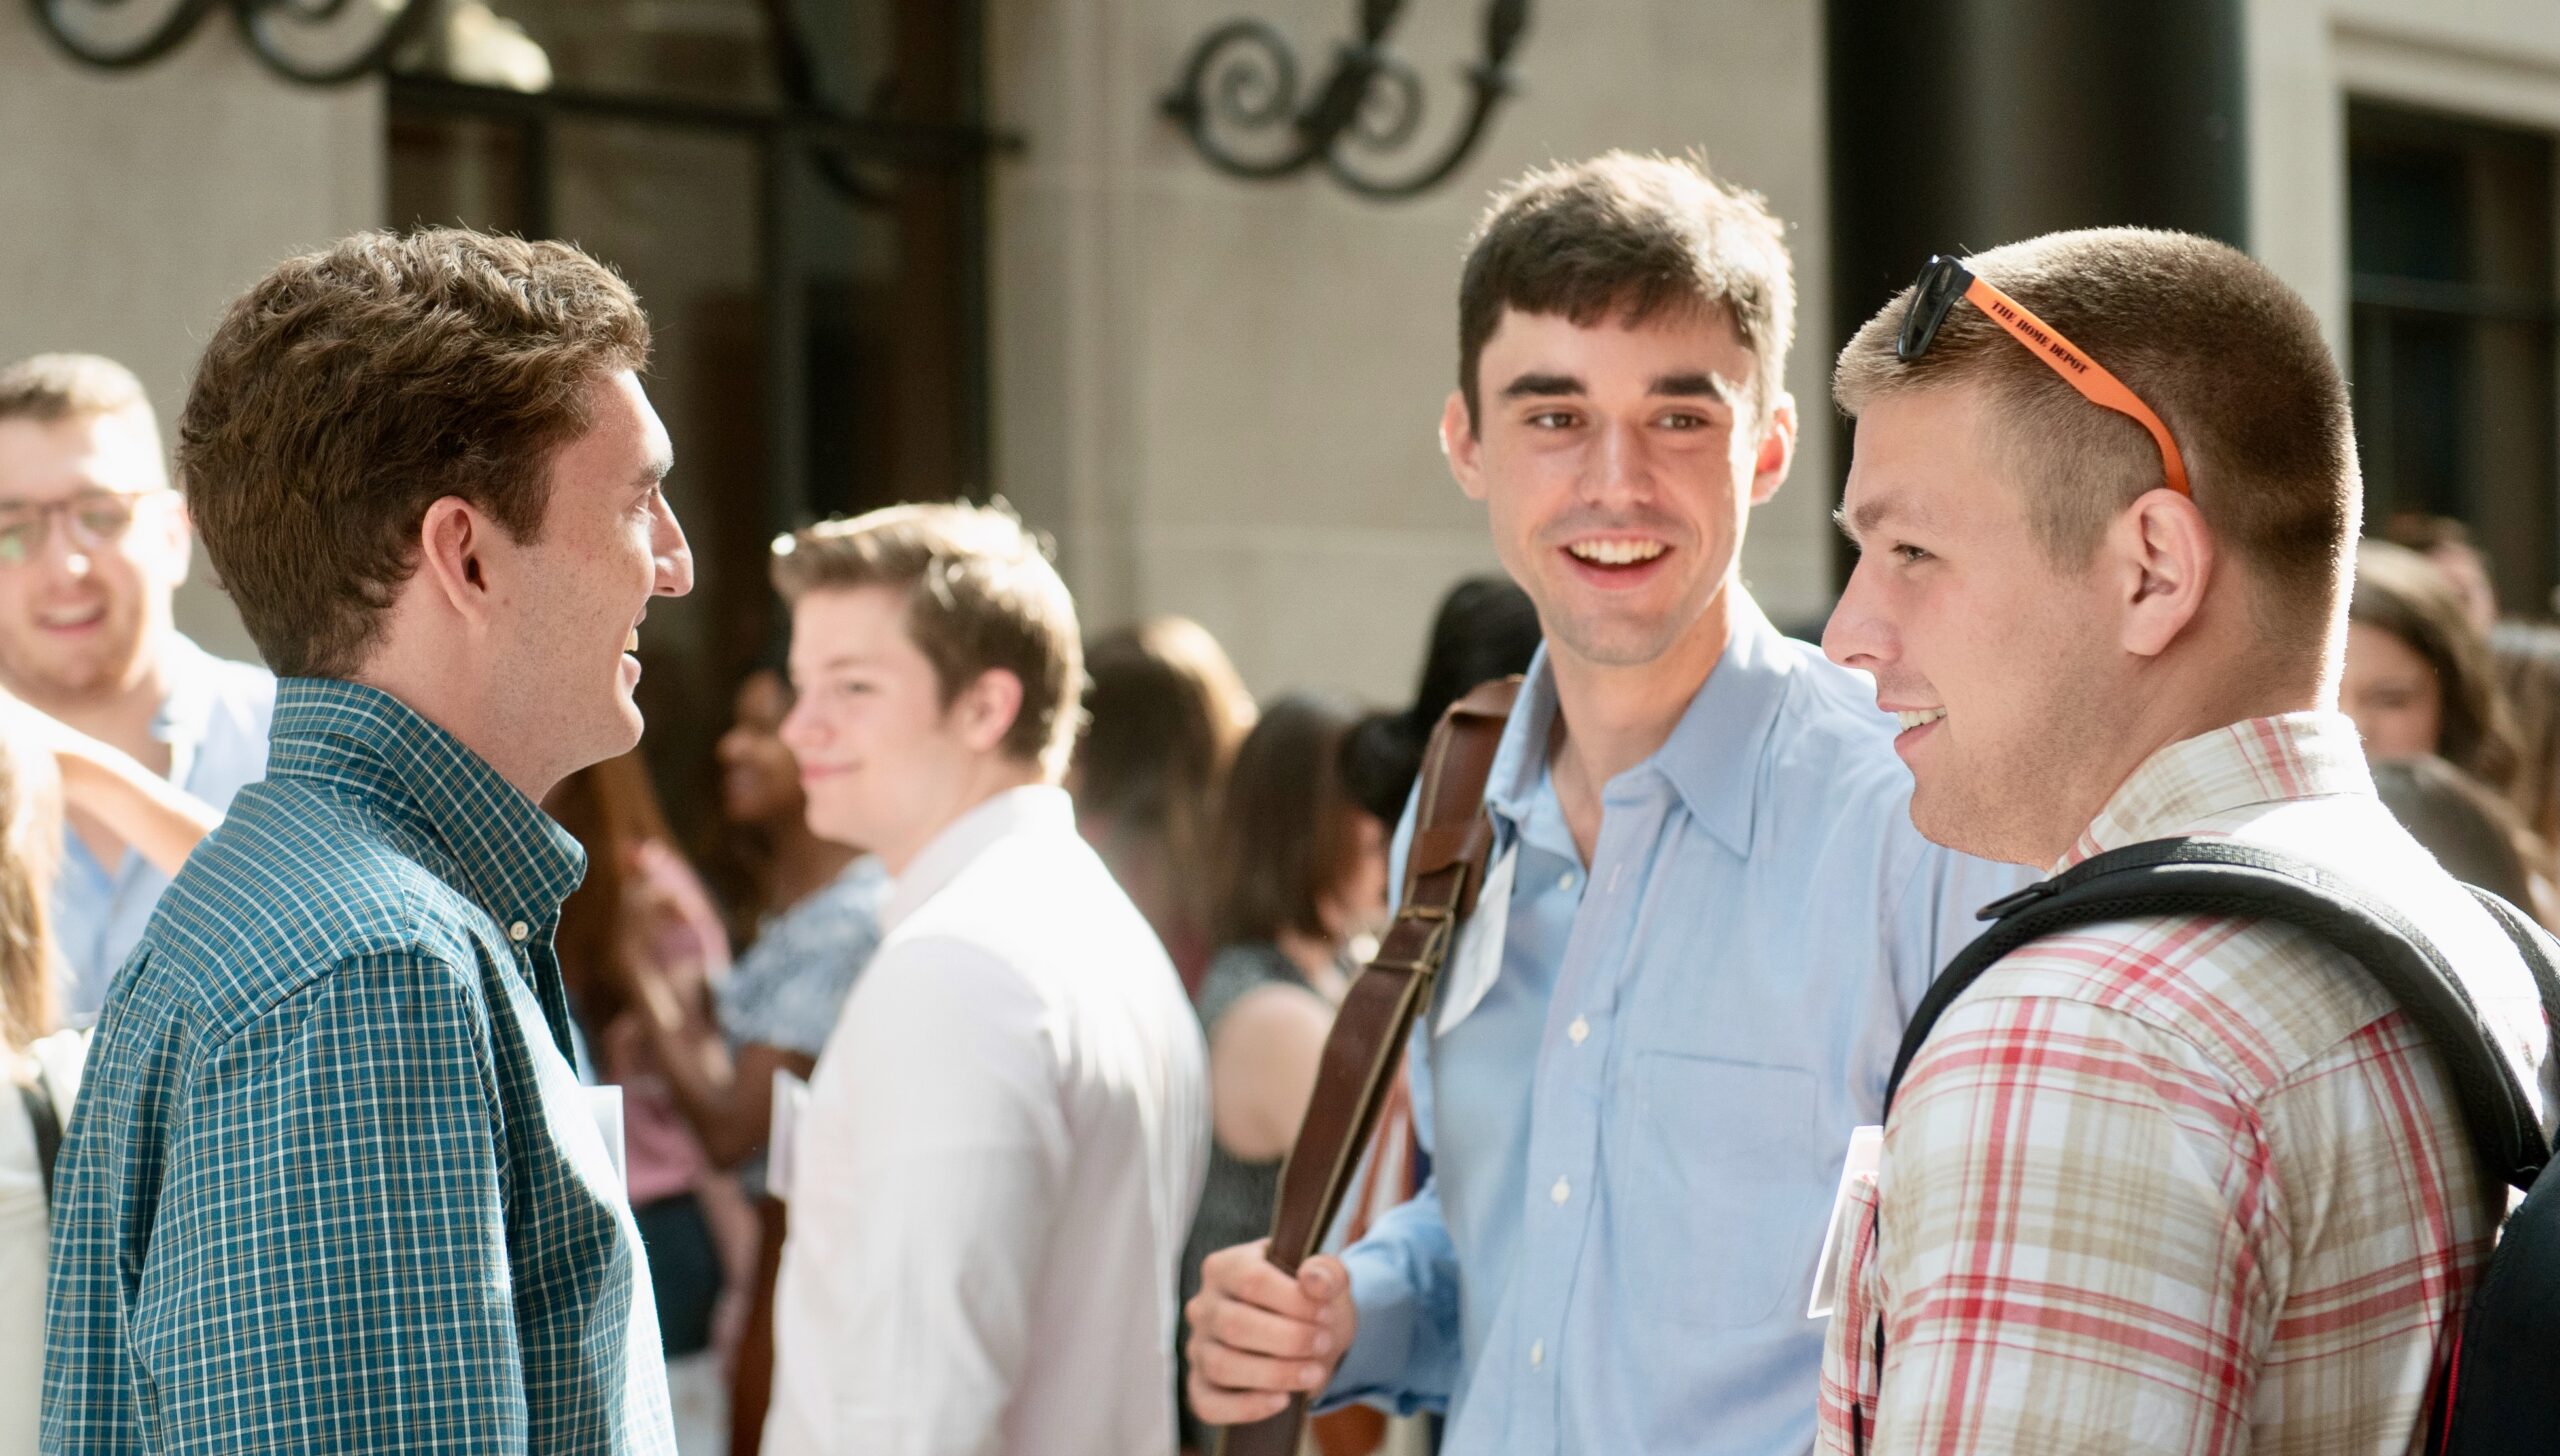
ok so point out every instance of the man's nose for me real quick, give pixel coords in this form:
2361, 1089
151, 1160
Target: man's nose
1620, 466
674, 555
1857, 634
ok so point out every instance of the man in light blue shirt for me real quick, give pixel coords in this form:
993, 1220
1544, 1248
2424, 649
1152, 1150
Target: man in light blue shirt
1638, 1083
93, 545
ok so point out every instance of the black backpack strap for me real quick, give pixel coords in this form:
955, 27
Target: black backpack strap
2534, 944
37, 1093
2220, 877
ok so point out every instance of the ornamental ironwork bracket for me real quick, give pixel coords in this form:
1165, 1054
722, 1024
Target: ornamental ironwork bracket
1242, 78
316, 42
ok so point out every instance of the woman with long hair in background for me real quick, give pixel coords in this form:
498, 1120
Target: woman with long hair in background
809, 918
41, 1062
1297, 871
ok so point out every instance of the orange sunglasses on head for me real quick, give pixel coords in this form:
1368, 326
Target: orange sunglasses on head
1944, 280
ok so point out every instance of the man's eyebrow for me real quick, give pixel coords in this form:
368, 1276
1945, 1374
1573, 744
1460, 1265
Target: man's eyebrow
1698, 383
1539, 386
1867, 518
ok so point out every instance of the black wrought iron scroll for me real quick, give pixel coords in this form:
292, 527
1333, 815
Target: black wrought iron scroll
1242, 78
318, 42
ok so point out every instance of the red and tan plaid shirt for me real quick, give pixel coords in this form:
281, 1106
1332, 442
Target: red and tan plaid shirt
2183, 1184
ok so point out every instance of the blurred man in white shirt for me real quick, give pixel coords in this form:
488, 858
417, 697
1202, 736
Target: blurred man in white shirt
1008, 1128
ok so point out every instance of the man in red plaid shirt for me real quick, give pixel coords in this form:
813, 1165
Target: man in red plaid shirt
2174, 1184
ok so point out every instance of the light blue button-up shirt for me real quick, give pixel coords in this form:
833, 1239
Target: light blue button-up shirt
1638, 1132
215, 722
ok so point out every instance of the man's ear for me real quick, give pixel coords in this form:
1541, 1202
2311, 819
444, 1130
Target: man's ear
451, 539
985, 710
2160, 556
1458, 441
1776, 450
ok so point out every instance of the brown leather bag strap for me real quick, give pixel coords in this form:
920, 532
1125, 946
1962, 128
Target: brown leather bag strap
1444, 868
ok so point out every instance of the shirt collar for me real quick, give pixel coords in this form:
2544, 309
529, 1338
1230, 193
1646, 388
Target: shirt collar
1712, 758
1015, 811
186, 707
513, 860
2255, 761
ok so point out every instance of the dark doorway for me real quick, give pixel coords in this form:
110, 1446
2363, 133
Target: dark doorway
796, 190
2450, 240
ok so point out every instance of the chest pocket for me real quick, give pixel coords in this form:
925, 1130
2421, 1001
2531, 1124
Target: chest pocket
1720, 1149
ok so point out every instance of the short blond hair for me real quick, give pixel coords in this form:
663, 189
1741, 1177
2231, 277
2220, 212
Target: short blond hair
981, 595
2229, 358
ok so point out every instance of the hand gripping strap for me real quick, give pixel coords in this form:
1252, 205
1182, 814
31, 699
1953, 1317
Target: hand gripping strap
1444, 867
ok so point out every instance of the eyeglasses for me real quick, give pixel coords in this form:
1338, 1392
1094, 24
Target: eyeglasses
1945, 280
95, 518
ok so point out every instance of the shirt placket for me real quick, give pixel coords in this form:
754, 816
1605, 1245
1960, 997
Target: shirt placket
1573, 1072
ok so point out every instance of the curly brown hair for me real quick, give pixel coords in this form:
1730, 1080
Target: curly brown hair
352, 388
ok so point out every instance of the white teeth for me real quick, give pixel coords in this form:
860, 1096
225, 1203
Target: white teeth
632, 642
1616, 553
1925, 715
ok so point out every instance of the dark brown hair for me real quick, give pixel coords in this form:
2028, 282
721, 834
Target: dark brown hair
2229, 358
353, 388
980, 594
1638, 237
1287, 830
2410, 597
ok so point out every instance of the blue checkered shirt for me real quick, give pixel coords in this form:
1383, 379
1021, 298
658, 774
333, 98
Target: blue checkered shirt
332, 1186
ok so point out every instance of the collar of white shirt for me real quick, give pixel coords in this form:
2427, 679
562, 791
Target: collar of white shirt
1036, 808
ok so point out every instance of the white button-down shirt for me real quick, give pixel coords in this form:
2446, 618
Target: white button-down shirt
1003, 1148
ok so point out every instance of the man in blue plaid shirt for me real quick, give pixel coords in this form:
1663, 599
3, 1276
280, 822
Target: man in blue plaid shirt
333, 1185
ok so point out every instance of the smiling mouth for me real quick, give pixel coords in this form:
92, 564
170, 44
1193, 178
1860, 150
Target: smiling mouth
65, 618
1619, 552
632, 642
1920, 718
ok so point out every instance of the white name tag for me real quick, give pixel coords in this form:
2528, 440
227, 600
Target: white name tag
604, 1103
1477, 960
790, 1099
1866, 1154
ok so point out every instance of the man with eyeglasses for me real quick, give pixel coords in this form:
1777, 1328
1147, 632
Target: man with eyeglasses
153, 734
2169, 1183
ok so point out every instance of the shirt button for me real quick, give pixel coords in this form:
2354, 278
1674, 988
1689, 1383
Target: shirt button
1580, 1031
1567, 881
519, 932
1562, 1191
1537, 1354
